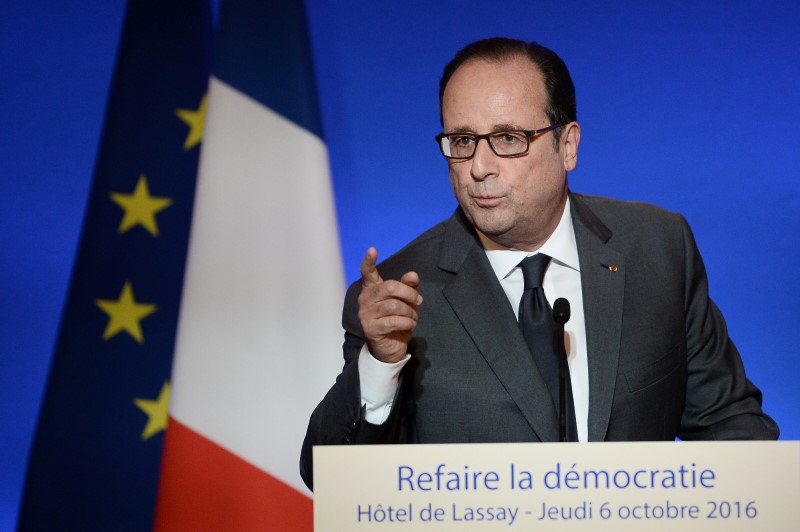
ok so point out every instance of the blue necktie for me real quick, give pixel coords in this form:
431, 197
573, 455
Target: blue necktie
541, 333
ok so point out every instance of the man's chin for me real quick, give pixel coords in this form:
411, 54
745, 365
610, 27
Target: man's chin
493, 236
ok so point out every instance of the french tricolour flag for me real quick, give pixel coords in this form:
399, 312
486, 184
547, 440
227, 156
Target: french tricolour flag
258, 336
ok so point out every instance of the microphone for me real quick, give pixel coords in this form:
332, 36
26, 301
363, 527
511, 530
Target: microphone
561, 311
561, 316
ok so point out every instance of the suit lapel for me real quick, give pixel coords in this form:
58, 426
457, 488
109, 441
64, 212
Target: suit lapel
603, 286
478, 300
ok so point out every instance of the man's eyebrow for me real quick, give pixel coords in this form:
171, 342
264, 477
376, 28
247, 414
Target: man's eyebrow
496, 128
462, 130
507, 127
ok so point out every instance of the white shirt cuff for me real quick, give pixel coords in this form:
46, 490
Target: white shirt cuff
378, 385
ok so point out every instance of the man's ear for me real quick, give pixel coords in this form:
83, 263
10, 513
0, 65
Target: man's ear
570, 138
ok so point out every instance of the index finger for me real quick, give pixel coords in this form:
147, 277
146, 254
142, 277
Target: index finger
369, 270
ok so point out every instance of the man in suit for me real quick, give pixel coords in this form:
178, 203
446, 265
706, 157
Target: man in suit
433, 351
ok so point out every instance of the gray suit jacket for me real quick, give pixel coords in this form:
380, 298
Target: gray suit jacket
661, 364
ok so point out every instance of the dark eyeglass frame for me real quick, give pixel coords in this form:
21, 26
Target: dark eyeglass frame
529, 134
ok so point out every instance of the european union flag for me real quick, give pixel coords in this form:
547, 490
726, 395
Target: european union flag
94, 463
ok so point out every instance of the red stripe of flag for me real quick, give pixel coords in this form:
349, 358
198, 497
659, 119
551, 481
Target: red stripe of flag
205, 487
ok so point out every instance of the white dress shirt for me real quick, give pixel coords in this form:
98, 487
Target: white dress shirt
562, 279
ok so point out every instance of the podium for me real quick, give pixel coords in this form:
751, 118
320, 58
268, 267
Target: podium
685, 486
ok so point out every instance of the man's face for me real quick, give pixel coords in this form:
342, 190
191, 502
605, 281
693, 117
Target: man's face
512, 202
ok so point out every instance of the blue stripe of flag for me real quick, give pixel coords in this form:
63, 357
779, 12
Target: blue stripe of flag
263, 50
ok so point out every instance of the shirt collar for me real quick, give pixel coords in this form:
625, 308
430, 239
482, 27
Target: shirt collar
561, 246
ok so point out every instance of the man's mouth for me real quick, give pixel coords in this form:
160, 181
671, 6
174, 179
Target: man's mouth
486, 201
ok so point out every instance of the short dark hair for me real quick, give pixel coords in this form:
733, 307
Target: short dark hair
561, 107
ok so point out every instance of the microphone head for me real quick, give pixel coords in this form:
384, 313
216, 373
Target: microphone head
561, 311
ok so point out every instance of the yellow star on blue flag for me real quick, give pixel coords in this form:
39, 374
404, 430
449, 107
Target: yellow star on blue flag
140, 207
157, 412
196, 120
124, 314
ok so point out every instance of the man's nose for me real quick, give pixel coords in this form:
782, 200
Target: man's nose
484, 161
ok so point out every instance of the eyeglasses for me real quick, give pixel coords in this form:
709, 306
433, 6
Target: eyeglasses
510, 143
